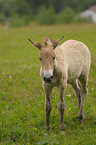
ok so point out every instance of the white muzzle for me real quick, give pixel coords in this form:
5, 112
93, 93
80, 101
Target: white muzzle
48, 76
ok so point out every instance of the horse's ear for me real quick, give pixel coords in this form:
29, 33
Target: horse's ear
57, 42
36, 44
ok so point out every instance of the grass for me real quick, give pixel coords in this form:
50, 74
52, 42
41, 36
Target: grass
22, 115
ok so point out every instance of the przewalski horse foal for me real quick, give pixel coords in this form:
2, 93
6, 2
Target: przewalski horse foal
70, 63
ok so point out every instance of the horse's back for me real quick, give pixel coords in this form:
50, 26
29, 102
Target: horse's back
77, 57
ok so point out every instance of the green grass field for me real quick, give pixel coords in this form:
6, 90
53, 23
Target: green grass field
22, 115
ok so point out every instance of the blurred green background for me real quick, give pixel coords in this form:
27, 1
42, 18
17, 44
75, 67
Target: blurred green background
21, 12
22, 99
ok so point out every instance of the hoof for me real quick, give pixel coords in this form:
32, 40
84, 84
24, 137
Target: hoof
47, 128
81, 118
62, 127
62, 132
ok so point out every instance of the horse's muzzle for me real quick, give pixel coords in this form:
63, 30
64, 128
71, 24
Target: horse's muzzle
48, 80
48, 76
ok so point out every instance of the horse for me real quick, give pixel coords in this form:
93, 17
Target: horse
62, 64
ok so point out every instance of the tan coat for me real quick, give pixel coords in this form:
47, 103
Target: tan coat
68, 63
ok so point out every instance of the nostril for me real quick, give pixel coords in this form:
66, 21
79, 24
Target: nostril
44, 78
48, 80
51, 77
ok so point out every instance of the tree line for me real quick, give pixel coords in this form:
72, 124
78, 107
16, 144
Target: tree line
40, 9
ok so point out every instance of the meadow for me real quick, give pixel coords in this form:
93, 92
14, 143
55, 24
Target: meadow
22, 115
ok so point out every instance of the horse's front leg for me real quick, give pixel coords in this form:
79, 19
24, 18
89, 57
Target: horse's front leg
48, 106
61, 107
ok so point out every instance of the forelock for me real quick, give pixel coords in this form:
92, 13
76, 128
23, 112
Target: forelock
47, 50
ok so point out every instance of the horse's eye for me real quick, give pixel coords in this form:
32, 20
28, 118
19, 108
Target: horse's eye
40, 58
53, 58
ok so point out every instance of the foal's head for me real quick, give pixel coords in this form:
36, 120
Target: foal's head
47, 56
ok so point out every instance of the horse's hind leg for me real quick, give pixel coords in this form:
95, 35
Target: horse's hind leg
77, 89
84, 83
81, 92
